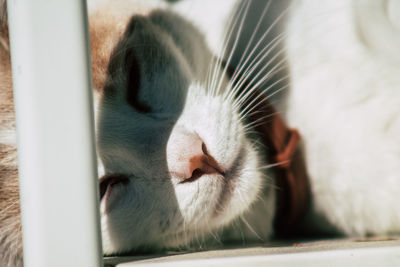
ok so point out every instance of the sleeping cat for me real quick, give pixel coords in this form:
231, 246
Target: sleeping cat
180, 158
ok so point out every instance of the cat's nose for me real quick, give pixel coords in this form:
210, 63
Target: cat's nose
193, 160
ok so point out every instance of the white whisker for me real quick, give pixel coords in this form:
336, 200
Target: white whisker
252, 67
234, 47
218, 58
250, 228
280, 36
242, 99
264, 100
261, 94
259, 121
252, 36
265, 77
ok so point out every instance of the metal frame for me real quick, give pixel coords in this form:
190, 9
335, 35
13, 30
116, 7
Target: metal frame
54, 116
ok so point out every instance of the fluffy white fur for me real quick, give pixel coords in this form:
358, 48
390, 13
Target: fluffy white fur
345, 101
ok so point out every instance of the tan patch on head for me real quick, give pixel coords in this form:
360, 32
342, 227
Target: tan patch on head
106, 26
104, 31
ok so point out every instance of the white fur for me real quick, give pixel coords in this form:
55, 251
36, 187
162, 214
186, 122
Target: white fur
345, 100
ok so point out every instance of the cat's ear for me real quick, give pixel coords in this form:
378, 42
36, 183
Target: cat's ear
133, 69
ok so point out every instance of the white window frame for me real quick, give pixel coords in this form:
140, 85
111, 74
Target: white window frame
55, 133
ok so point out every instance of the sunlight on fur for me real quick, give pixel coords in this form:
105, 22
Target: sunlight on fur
181, 91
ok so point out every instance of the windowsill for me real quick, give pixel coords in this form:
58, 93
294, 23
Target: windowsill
333, 252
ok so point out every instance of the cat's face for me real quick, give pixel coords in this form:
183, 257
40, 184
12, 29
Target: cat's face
177, 159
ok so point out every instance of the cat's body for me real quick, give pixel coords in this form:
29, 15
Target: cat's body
157, 110
343, 66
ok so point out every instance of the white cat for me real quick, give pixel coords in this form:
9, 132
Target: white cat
181, 161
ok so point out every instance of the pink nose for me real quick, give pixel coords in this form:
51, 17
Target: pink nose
192, 159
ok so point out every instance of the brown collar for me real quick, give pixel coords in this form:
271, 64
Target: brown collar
284, 152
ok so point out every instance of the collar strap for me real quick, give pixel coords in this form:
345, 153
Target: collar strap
283, 151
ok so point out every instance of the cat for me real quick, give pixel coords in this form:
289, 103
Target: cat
182, 165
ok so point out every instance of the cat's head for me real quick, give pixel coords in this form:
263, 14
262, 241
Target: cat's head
177, 158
